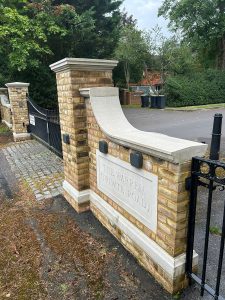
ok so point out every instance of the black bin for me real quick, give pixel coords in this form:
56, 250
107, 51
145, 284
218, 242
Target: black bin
161, 102
144, 101
153, 102
158, 102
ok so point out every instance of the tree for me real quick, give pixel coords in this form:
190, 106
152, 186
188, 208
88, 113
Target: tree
127, 20
202, 23
180, 59
34, 34
102, 41
132, 52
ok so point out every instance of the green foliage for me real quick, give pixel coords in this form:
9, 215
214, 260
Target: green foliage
132, 52
215, 230
34, 34
179, 57
196, 88
4, 129
202, 23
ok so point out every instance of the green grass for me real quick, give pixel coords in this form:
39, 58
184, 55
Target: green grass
215, 230
4, 128
132, 106
190, 108
183, 108
177, 296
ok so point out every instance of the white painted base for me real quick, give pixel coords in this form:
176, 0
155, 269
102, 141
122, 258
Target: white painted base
172, 266
7, 124
21, 135
79, 197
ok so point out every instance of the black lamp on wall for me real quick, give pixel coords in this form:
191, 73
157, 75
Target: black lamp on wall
136, 160
103, 147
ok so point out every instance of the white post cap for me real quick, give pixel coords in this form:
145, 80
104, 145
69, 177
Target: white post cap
85, 64
17, 85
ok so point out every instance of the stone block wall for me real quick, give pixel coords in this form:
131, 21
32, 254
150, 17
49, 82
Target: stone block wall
73, 121
173, 202
18, 93
6, 115
160, 251
5, 108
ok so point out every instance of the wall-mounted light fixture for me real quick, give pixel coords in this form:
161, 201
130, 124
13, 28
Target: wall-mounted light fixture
66, 138
136, 160
103, 147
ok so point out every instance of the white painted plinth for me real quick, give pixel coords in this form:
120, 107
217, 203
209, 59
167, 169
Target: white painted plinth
173, 266
79, 197
18, 136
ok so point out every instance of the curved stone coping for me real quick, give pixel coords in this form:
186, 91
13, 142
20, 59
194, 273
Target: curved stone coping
5, 101
112, 121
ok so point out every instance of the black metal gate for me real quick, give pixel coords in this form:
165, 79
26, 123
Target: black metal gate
45, 126
210, 175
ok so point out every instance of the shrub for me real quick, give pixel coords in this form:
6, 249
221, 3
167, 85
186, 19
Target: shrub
207, 87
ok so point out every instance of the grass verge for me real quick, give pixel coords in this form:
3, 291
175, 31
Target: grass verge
4, 128
197, 107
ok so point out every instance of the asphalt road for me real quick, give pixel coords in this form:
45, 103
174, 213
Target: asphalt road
192, 125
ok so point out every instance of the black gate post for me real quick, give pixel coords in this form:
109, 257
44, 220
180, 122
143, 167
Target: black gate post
47, 124
191, 218
216, 137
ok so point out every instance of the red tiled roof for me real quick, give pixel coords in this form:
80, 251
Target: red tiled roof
153, 78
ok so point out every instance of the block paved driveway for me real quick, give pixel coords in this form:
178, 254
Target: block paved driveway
37, 166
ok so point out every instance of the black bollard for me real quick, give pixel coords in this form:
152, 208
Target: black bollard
216, 137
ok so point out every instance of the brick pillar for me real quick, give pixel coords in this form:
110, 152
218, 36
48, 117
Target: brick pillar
18, 99
73, 74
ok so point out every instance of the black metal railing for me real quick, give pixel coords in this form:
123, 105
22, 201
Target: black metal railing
45, 126
206, 173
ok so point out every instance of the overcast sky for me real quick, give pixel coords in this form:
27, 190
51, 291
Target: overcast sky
146, 12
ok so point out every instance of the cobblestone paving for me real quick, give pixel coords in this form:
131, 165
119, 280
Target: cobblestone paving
41, 169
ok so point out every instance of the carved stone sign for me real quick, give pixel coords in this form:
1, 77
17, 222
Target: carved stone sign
133, 189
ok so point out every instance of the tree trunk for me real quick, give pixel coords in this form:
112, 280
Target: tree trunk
221, 54
127, 73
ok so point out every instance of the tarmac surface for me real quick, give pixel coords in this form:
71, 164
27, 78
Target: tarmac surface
192, 125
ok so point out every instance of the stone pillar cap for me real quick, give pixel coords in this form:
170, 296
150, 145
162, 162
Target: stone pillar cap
84, 64
17, 84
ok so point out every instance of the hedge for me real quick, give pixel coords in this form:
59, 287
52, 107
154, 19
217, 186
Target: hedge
207, 87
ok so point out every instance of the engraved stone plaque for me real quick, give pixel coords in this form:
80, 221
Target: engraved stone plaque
133, 189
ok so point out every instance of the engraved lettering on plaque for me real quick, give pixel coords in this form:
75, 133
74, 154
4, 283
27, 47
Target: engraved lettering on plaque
133, 189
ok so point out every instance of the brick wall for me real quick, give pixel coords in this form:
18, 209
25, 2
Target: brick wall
5, 108
73, 121
6, 115
172, 204
80, 185
18, 93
